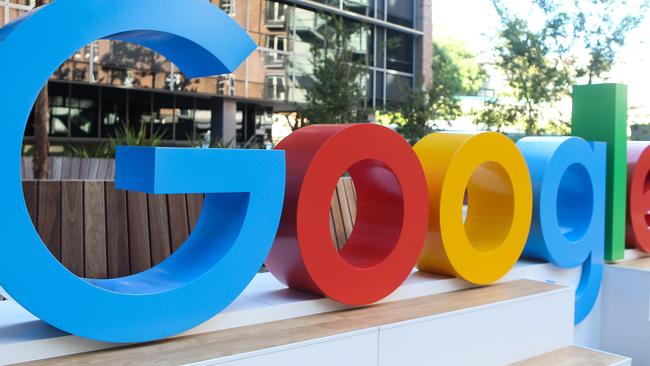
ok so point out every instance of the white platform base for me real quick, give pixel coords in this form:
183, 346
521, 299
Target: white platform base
626, 312
356, 348
497, 334
25, 338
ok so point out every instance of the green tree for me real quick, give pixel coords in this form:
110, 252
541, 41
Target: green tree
455, 72
540, 66
496, 115
535, 74
451, 52
338, 91
413, 115
598, 27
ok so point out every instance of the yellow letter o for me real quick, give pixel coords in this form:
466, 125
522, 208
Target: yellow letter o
482, 244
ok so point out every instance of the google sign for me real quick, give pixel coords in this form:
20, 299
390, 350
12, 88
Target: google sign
556, 199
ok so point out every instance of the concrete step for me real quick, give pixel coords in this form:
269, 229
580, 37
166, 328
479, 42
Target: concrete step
576, 356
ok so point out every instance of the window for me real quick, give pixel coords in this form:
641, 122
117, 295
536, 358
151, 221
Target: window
59, 109
276, 42
203, 119
395, 87
361, 41
239, 123
400, 12
184, 118
399, 52
226, 85
164, 115
379, 88
140, 110
84, 102
275, 87
113, 111
381, 48
363, 7
305, 29
274, 59
275, 14
381, 9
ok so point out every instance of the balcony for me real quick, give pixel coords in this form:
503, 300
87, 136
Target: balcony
275, 15
274, 59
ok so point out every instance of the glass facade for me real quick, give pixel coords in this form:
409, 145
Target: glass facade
277, 74
288, 32
394, 11
178, 118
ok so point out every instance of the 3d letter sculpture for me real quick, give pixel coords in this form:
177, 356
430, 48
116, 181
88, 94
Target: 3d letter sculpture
411, 204
240, 216
489, 170
568, 227
391, 216
638, 167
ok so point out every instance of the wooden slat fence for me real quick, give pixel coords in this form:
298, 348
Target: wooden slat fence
67, 168
97, 231
343, 212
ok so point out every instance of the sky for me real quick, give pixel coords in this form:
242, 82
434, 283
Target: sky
469, 20
475, 22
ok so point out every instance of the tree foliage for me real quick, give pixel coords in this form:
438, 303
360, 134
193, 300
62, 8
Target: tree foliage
338, 91
124, 136
453, 54
598, 28
535, 74
413, 115
455, 72
579, 38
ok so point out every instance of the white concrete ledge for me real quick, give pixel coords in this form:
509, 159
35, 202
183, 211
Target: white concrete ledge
25, 338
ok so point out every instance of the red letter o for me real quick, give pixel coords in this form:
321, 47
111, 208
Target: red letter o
392, 213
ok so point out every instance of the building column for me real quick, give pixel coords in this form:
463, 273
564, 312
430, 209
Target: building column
424, 45
224, 121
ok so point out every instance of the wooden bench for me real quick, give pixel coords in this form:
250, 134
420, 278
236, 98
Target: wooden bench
97, 231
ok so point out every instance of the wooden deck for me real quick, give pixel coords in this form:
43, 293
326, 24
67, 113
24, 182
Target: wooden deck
574, 356
640, 263
264, 336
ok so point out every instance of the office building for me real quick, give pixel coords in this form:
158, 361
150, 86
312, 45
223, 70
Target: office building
107, 85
